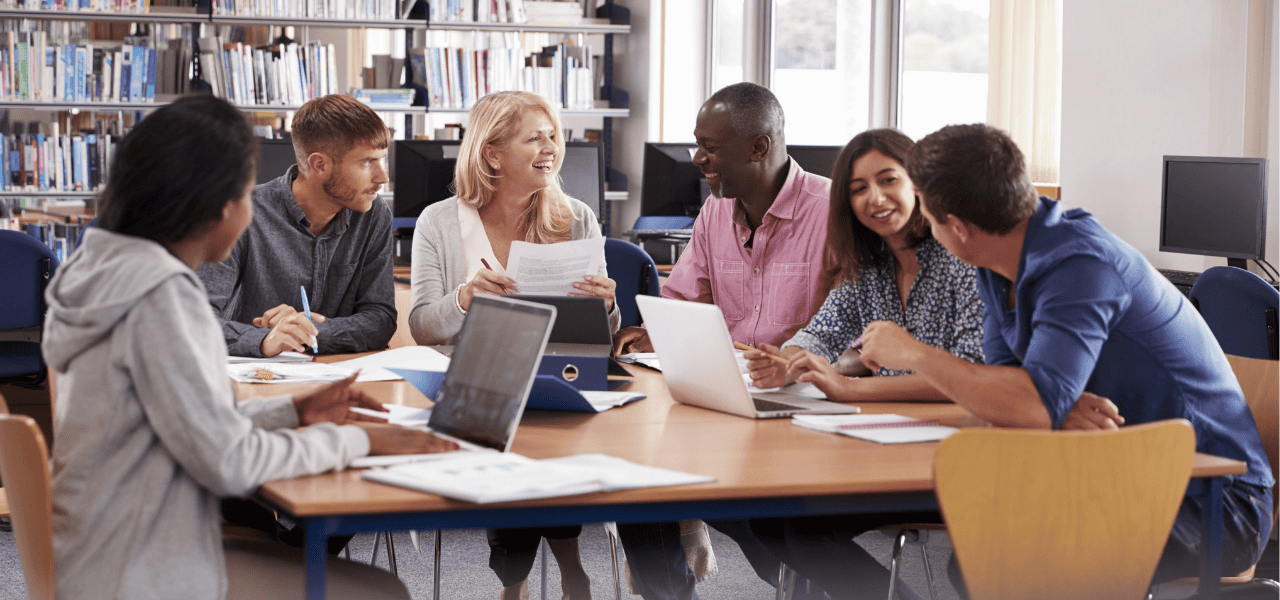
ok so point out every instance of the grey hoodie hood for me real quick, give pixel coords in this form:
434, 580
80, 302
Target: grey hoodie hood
96, 287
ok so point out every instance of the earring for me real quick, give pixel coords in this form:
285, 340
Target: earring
495, 166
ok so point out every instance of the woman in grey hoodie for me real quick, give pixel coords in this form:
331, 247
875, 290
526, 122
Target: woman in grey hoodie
149, 434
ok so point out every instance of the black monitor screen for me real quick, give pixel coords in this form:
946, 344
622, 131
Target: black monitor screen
274, 158
674, 186
424, 173
1214, 206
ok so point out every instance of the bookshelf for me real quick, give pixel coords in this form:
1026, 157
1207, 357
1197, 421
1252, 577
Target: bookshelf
609, 102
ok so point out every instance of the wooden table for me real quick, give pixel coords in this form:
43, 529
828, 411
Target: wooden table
762, 468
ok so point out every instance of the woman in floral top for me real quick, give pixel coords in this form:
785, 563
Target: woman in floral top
889, 268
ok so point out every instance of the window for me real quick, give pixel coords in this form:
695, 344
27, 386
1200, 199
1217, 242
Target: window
821, 68
944, 65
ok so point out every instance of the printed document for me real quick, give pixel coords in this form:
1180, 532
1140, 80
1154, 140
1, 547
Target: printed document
552, 269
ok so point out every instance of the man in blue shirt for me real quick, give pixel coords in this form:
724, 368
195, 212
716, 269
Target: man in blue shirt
1080, 332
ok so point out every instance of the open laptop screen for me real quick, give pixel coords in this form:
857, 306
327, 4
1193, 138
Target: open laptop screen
495, 359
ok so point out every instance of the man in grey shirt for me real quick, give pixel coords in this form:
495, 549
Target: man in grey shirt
320, 226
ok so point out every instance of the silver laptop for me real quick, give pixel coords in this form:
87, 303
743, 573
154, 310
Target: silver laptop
696, 354
491, 371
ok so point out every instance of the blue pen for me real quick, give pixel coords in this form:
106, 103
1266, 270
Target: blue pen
306, 309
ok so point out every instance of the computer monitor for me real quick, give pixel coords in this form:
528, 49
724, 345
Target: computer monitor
424, 173
274, 158
674, 186
818, 160
1214, 206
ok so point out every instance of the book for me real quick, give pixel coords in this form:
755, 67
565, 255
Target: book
487, 477
883, 429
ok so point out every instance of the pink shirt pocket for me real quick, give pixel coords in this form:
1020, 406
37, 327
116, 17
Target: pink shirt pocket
729, 291
790, 290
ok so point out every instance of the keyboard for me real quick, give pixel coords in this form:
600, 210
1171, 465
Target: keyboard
771, 406
1183, 278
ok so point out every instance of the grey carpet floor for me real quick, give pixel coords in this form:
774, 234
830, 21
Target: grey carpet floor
466, 576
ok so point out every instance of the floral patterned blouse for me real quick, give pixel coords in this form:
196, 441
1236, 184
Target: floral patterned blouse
942, 308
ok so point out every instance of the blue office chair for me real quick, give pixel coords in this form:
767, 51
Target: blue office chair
25, 268
1240, 308
635, 273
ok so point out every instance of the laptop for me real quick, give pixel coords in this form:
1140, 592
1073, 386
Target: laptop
696, 354
491, 371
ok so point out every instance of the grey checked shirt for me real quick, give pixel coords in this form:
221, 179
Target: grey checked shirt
346, 270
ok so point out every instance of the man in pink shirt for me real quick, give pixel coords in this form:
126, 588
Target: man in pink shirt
758, 245
757, 251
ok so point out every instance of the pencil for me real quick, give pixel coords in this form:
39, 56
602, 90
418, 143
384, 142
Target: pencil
778, 359
486, 264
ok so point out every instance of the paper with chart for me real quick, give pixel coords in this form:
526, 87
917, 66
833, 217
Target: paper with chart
552, 269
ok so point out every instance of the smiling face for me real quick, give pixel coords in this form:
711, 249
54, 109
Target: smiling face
528, 162
881, 195
723, 155
354, 181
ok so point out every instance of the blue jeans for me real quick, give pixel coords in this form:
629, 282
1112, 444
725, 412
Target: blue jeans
657, 562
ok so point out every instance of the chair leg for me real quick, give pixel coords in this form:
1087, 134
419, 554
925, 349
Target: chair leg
391, 555
435, 589
377, 541
613, 562
545, 550
781, 590
928, 574
895, 561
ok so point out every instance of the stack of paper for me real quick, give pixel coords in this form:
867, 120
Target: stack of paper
484, 477
374, 367
287, 356
266, 372
884, 429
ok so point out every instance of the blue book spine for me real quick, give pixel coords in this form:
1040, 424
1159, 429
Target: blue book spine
81, 53
126, 74
151, 74
42, 167
8, 171
15, 164
68, 73
77, 162
136, 81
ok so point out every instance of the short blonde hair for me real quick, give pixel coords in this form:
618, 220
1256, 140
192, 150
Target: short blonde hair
493, 123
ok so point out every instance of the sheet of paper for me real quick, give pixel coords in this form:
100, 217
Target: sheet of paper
261, 372
884, 429
552, 269
604, 400
374, 366
646, 359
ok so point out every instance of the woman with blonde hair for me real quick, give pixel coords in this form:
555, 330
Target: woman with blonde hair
508, 189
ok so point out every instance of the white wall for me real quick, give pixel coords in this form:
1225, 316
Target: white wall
1146, 78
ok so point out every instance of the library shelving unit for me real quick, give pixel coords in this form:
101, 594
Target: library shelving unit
615, 100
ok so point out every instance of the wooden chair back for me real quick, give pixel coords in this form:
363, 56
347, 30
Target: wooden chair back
404, 302
24, 466
1051, 514
1260, 380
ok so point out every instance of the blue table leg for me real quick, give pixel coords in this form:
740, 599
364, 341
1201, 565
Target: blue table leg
315, 542
1211, 559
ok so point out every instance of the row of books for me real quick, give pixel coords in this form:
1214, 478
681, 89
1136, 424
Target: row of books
59, 237
349, 10
458, 68
115, 6
289, 74
477, 11
35, 67
55, 162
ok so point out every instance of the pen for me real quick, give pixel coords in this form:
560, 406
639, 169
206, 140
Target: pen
778, 359
306, 309
486, 265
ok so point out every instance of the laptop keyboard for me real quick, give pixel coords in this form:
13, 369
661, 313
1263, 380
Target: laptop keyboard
771, 406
